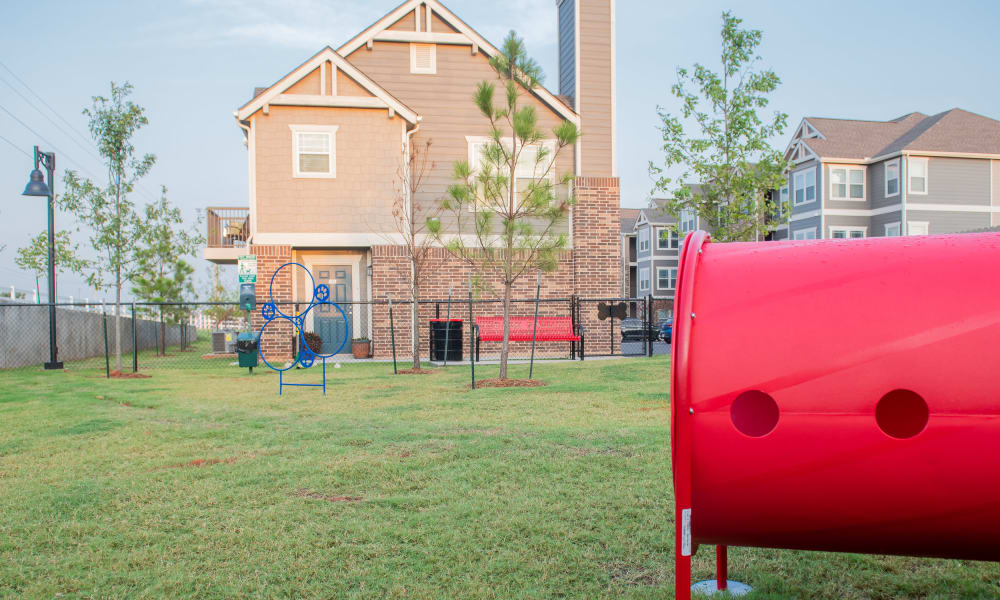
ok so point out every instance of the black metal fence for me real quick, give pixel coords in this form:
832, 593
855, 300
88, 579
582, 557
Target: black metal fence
204, 334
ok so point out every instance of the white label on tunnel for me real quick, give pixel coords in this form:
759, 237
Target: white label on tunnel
686, 532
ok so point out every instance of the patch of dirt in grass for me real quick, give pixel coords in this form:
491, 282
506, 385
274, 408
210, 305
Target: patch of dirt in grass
304, 493
647, 408
505, 383
417, 372
488, 432
116, 374
601, 452
202, 462
623, 574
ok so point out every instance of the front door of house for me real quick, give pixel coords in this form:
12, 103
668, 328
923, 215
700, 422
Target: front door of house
329, 324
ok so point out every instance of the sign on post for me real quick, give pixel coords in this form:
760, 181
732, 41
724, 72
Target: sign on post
247, 268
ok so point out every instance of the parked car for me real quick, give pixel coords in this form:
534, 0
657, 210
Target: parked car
632, 330
666, 330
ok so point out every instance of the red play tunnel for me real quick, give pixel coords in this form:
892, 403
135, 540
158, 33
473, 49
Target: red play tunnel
838, 395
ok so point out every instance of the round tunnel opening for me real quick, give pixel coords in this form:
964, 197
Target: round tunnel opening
901, 414
754, 413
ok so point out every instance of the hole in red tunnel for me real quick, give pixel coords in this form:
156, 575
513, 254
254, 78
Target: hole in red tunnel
754, 413
901, 414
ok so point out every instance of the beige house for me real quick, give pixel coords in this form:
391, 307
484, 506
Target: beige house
328, 141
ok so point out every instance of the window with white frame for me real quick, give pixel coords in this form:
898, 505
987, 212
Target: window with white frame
847, 183
891, 229
804, 184
644, 279
666, 278
644, 239
688, 220
314, 150
423, 59
666, 239
848, 233
534, 162
808, 233
918, 175
892, 178
918, 228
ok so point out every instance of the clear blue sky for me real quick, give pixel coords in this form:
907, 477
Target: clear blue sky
193, 62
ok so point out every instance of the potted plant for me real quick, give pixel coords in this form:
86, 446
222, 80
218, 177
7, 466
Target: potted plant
361, 347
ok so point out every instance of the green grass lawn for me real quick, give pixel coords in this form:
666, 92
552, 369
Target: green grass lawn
204, 483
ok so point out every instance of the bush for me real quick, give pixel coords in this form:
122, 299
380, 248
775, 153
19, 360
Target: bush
314, 341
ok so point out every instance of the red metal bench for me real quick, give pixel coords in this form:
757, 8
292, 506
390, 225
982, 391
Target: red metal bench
550, 329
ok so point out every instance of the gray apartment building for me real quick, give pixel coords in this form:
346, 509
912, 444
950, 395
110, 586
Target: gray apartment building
650, 248
913, 175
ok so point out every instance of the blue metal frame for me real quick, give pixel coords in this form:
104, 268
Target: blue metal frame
306, 357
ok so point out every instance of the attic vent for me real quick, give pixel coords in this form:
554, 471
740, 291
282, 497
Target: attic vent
423, 58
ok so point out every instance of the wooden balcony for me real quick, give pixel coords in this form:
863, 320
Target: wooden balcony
228, 232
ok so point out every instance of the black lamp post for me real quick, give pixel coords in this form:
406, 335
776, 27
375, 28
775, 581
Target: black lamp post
38, 187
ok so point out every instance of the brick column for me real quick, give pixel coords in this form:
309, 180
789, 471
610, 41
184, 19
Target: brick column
597, 252
277, 340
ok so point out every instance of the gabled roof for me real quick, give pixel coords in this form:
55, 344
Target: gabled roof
274, 94
656, 214
468, 33
627, 219
954, 131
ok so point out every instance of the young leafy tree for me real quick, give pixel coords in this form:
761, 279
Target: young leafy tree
513, 197
163, 273
728, 152
106, 208
35, 257
224, 299
410, 220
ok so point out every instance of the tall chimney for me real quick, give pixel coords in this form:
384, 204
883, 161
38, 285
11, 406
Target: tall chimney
587, 78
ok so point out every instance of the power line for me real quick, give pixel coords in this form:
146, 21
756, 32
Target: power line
149, 195
42, 100
49, 119
16, 147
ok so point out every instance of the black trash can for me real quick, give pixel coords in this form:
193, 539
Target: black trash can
437, 339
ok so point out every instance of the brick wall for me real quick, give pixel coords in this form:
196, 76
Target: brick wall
390, 276
276, 342
597, 251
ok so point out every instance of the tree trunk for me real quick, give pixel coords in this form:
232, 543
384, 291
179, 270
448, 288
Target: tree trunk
118, 327
415, 315
505, 346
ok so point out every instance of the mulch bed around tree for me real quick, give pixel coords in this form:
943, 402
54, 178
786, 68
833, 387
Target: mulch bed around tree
116, 374
505, 383
304, 493
417, 372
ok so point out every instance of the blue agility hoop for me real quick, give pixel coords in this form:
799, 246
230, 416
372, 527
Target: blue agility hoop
270, 287
260, 346
347, 327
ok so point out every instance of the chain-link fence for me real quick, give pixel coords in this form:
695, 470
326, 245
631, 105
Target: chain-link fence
205, 335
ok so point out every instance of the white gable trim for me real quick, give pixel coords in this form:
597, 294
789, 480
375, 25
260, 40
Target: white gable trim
478, 42
275, 94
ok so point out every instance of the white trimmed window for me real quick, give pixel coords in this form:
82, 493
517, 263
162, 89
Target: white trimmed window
892, 178
804, 186
892, 229
314, 150
666, 278
644, 240
808, 233
848, 233
918, 175
423, 59
783, 197
644, 279
666, 239
847, 183
529, 167
918, 228
688, 220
